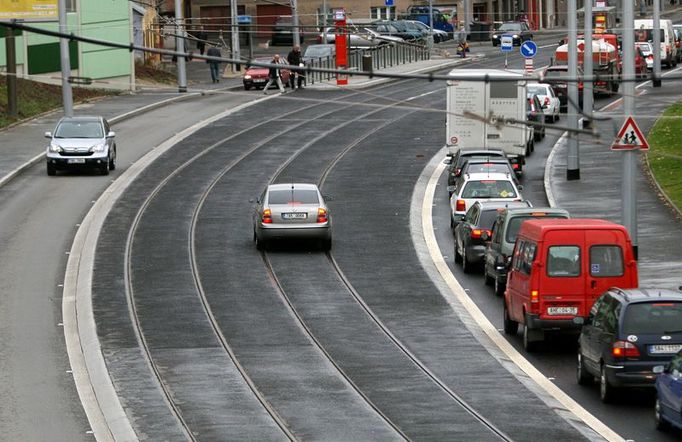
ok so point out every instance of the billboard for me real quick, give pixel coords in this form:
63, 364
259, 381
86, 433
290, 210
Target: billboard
28, 9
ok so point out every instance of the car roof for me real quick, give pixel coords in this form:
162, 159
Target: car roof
644, 294
482, 176
82, 118
474, 151
481, 160
536, 227
511, 212
295, 186
494, 205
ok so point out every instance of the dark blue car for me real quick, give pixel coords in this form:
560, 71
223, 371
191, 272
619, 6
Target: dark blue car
669, 394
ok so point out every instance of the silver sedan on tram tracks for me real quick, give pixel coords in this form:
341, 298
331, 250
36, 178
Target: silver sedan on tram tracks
295, 211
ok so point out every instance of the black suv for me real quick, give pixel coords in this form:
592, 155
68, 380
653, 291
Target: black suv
456, 162
626, 334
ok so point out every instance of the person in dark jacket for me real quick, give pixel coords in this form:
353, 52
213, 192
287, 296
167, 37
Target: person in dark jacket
213, 51
201, 37
274, 75
294, 59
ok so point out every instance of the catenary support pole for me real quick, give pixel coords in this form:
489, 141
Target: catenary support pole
629, 187
573, 160
588, 66
180, 46
67, 95
234, 21
11, 59
657, 43
294, 17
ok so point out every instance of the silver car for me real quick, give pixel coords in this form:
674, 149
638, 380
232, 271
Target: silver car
81, 142
292, 211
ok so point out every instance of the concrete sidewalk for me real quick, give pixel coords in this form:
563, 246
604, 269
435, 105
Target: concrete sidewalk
598, 193
23, 145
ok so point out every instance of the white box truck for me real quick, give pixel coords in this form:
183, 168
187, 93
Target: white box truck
475, 92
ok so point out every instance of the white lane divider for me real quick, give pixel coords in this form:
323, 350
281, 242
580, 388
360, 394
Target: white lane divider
488, 328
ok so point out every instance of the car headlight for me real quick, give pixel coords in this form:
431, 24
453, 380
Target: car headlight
247, 77
494, 35
55, 147
98, 147
515, 36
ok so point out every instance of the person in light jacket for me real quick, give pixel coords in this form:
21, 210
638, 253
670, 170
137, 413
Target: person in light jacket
275, 75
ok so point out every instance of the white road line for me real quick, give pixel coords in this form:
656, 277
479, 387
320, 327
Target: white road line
548, 46
459, 293
424, 94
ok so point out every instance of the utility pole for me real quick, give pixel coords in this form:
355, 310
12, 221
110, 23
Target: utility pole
657, 43
11, 63
573, 169
67, 95
629, 185
180, 46
235, 33
294, 17
430, 41
588, 70
324, 21
465, 17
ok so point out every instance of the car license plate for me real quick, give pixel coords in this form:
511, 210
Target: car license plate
299, 215
562, 311
76, 160
259, 80
665, 348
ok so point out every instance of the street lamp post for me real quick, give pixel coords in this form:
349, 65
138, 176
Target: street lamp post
67, 95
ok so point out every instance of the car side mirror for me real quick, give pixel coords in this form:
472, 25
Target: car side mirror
111, 134
48, 134
520, 187
658, 369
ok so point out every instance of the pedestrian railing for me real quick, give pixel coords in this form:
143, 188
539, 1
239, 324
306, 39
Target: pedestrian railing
370, 59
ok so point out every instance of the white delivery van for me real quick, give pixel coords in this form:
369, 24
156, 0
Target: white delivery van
487, 109
644, 33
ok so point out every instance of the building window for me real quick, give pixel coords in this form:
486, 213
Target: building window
382, 12
70, 5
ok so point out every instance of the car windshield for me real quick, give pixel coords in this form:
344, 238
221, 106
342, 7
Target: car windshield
537, 90
487, 168
318, 51
510, 27
487, 219
515, 224
79, 129
652, 318
489, 189
556, 73
296, 196
648, 35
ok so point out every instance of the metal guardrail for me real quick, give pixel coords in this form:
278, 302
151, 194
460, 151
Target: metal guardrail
382, 57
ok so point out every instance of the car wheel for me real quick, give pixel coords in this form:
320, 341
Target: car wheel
458, 257
104, 168
261, 245
499, 287
327, 244
51, 170
487, 279
581, 375
247, 87
528, 345
661, 423
557, 117
466, 265
112, 162
606, 390
510, 327
537, 136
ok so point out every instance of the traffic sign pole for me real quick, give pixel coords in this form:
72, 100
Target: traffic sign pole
628, 187
588, 67
573, 150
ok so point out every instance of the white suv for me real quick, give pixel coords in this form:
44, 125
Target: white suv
81, 142
481, 187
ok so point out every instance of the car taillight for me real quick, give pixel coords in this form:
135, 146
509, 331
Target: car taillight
534, 296
624, 349
461, 206
546, 101
476, 233
515, 166
322, 215
267, 217
650, 57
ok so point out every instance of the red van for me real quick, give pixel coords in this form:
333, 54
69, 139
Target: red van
558, 268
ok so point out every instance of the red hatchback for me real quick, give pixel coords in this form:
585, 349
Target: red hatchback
257, 76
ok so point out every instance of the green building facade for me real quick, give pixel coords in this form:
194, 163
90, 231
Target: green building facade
38, 56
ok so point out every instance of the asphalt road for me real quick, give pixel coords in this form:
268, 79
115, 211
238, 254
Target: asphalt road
39, 216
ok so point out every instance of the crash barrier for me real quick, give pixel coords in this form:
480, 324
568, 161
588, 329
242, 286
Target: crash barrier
380, 57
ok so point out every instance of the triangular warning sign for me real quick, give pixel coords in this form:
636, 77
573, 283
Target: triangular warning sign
630, 137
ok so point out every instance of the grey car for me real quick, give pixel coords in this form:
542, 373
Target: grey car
81, 142
294, 211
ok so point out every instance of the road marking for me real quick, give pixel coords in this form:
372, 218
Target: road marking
424, 94
487, 327
548, 46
